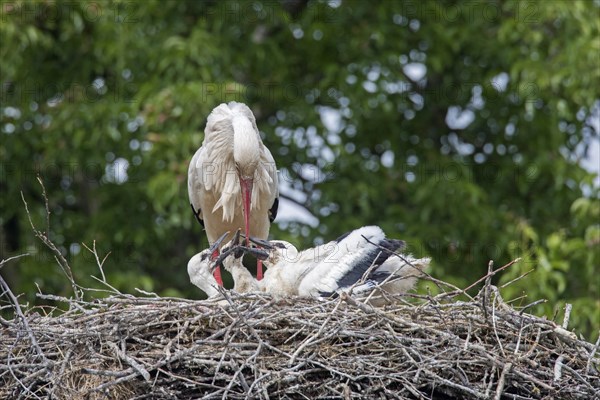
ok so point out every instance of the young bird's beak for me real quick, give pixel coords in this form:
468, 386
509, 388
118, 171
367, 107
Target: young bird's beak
215, 246
236, 238
258, 253
261, 243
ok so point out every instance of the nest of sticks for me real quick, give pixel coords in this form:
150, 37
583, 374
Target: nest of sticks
449, 346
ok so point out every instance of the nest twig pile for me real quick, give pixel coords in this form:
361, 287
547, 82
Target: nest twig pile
254, 346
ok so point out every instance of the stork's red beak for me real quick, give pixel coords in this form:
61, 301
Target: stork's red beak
247, 184
215, 253
217, 271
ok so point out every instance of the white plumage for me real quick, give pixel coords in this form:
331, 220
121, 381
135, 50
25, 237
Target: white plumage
359, 261
201, 268
201, 272
232, 178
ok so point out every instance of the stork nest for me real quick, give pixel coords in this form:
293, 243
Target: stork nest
254, 346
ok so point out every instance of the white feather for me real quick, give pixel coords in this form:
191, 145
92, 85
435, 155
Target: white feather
200, 275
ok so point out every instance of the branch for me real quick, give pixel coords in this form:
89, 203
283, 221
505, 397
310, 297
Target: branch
3, 262
21, 316
44, 237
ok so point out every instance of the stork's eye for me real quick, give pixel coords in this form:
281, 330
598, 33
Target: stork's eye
203, 256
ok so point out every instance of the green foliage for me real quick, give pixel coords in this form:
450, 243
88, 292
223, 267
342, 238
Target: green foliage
563, 267
89, 86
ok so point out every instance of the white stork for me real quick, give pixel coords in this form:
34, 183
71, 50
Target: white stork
232, 178
360, 261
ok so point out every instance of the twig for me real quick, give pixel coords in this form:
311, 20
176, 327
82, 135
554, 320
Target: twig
19, 312
490, 274
558, 368
45, 238
535, 303
567, 316
502, 380
129, 360
5, 261
98, 262
311, 338
588, 365
496, 296
486, 288
523, 275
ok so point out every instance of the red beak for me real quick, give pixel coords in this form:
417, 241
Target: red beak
247, 184
214, 255
217, 271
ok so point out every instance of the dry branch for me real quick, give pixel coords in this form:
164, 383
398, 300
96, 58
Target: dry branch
253, 346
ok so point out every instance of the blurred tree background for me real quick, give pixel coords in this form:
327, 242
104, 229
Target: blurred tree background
461, 127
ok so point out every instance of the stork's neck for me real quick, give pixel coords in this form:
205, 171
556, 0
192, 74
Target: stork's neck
200, 274
246, 145
243, 281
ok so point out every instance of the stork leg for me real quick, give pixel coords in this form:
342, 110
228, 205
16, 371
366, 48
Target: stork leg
259, 244
259, 269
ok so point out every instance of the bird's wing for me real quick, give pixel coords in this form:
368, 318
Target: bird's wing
273, 209
196, 183
267, 183
356, 252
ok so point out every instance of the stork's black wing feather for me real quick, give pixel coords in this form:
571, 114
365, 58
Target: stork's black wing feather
374, 257
273, 209
386, 248
358, 269
197, 214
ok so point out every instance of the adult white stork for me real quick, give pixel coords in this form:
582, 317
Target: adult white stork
232, 178
361, 260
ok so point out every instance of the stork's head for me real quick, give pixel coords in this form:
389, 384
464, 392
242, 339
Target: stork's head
246, 140
281, 251
200, 269
202, 266
276, 250
246, 146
